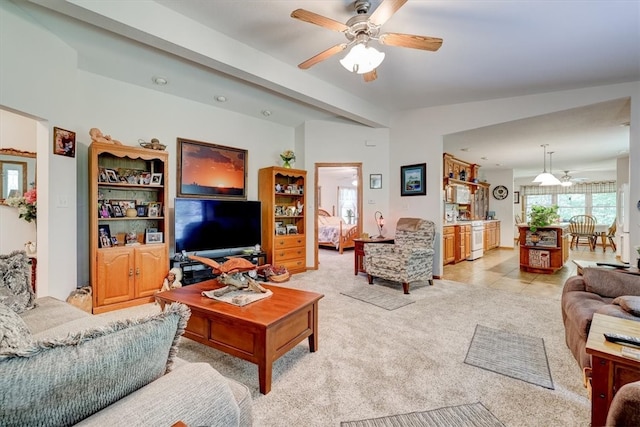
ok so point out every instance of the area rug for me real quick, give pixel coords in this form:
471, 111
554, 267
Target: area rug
371, 295
453, 416
511, 354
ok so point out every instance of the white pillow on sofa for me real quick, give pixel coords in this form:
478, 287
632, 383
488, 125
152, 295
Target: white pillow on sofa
62, 381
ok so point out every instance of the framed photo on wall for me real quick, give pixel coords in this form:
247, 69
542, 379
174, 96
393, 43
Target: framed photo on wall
64, 142
413, 180
375, 181
211, 170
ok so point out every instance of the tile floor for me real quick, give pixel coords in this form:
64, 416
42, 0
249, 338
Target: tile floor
500, 269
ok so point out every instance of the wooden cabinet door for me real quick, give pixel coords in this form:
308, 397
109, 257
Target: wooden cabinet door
448, 237
150, 269
114, 276
467, 241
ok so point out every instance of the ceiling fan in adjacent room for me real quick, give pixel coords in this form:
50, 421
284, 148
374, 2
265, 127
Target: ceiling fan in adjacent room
359, 30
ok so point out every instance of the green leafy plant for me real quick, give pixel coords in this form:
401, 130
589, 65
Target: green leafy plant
542, 216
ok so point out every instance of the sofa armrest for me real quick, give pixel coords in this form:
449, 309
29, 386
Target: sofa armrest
574, 283
195, 394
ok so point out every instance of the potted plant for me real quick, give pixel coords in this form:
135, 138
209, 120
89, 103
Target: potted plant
542, 216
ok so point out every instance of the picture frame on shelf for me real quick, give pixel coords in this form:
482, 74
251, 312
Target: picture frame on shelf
413, 180
64, 142
144, 178
281, 231
375, 181
102, 175
153, 237
154, 210
104, 236
114, 241
156, 179
292, 229
226, 167
117, 211
112, 176
142, 210
105, 210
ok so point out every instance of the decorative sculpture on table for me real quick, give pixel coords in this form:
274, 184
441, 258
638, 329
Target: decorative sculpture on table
173, 280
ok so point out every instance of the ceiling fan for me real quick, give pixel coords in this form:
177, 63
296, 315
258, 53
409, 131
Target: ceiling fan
359, 30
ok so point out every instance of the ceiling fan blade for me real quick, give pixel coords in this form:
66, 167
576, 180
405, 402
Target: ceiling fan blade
371, 75
322, 56
314, 18
385, 11
408, 40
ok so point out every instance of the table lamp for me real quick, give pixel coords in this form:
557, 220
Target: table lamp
380, 223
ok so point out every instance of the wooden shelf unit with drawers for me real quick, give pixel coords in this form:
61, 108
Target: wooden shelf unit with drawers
282, 192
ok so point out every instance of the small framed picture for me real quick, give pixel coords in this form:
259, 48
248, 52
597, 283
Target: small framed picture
114, 241
375, 181
292, 229
281, 231
112, 176
412, 180
154, 210
156, 178
64, 142
152, 230
117, 211
152, 238
105, 210
104, 236
102, 175
142, 210
123, 179
144, 178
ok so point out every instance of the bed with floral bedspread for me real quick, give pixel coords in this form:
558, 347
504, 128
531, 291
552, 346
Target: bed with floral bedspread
334, 232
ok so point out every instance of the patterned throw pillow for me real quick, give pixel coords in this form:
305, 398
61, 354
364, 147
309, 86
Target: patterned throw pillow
58, 382
14, 333
15, 282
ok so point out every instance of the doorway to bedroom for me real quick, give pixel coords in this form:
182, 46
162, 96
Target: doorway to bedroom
338, 195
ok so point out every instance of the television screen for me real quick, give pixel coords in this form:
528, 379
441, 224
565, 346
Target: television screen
213, 225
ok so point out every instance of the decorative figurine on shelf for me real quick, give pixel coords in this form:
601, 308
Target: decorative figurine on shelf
278, 188
173, 280
153, 145
287, 156
97, 136
463, 175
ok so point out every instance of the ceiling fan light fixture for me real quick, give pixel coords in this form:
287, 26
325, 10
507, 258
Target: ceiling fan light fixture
566, 180
362, 59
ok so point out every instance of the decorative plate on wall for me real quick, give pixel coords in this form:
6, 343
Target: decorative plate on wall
500, 192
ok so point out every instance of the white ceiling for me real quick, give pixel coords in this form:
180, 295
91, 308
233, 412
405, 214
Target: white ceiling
248, 51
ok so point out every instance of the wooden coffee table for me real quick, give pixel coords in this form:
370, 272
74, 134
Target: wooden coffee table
260, 332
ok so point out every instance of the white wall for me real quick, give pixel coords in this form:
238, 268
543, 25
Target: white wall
18, 132
504, 209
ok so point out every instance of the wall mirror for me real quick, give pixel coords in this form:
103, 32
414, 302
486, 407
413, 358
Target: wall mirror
18, 172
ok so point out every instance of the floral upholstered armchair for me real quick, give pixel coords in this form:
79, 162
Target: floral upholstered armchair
407, 260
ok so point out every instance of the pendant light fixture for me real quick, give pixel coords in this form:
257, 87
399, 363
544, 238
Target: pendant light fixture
551, 179
565, 181
545, 177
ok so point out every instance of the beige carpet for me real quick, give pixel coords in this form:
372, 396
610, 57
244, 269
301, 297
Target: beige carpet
374, 363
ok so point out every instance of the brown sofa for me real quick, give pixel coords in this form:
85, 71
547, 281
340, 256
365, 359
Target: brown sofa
596, 291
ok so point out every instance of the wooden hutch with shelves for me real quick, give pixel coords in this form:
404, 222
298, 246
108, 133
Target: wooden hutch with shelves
458, 173
128, 195
546, 252
282, 193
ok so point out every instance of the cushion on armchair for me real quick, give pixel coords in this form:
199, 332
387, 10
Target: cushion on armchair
62, 381
15, 282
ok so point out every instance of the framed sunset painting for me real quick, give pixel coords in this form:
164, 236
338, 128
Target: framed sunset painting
211, 171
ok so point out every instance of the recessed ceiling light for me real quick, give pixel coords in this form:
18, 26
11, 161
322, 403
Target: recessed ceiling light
464, 149
161, 81
220, 98
483, 158
266, 113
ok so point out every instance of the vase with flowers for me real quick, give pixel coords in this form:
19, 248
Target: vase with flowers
287, 156
26, 205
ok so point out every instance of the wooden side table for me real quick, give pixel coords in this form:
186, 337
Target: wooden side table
358, 252
609, 369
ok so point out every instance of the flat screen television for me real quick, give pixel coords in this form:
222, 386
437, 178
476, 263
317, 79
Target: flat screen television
215, 227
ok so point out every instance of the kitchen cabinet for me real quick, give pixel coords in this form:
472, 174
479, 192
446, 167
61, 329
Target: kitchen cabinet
448, 243
127, 197
491, 235
462, 186
462, 242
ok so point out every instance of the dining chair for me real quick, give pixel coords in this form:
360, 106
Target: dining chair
609, 237
582, 226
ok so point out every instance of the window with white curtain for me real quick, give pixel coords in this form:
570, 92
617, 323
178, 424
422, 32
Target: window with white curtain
347, 203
